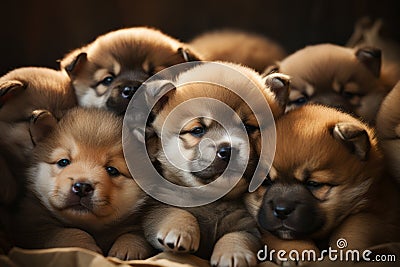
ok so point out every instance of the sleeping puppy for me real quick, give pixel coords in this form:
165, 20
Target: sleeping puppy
22, 91
108, 71
335, 76
326, 183
222, 231
388, 127
250, 49
81, 193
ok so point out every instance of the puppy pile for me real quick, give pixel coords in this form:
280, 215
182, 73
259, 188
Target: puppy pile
335, 120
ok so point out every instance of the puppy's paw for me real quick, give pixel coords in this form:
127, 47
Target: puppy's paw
233, 258
130, 247
180, 238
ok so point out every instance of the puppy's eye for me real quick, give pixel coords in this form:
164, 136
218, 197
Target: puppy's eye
312, 185
63, 163
107, 80
299, 101
198, 131
250, 128
267, 181
112, 171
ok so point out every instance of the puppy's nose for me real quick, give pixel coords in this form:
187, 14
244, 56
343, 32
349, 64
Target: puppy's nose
283, 209
128, 91
82, 189
224, 152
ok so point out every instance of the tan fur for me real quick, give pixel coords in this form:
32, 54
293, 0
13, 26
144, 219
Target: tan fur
352, 209
327, 74
106, 221
250, 49
128, 55
388, 126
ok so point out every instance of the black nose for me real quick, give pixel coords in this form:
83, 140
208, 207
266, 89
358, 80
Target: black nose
82, 189
224, 152
283, 210
129, 90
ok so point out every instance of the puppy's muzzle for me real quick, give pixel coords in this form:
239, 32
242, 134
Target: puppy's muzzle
128, 89
224, 152
82, 189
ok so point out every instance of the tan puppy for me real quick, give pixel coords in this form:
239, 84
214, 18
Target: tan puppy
388, 125
81, 193
326, 183
250, 49
108, 71
222, 231
336, 76
22, 91
369, 33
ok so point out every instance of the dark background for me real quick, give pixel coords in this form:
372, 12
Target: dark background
38, 33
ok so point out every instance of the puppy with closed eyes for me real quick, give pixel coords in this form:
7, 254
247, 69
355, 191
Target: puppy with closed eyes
108, 71
80, 192
336, 76
327, 182
241, 47
222, 231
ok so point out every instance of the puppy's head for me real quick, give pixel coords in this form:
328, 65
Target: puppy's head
108, 71
22, 91
336, 76
79, 172
324, 165
204, 124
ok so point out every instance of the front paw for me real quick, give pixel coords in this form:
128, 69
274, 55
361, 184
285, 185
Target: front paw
233, 258
180, 238
130, 247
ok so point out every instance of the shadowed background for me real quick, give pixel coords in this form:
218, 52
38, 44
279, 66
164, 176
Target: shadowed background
38, 33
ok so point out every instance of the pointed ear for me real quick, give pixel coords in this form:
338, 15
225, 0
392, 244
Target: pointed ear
157, 94
371, 58
354, 137
279, 84
271, 69
74, 63
188, 55
9, 89
41, 124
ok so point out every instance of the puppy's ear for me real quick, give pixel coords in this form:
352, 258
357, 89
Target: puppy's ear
157, 94
9, 89
271, 69
74, 63
354, 137
41, 124
279, 84
188, 55
371, 58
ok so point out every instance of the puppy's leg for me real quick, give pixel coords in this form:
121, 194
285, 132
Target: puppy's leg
172, 229
235, 249
130, 246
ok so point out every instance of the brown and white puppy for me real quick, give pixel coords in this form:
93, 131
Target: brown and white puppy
388, 127
81, 193
326, 182
222, 231
371, 33
241, 47
335, 76
108, 71
22, 91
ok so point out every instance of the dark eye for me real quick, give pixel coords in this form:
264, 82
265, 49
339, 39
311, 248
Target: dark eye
63, 163
198, 131
250, 128
299, 101
127, 91
267, 181
112, 171
107, 80
313, 185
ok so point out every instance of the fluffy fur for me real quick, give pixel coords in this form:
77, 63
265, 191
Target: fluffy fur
108, 71
80, 190
326, 182
250, 49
